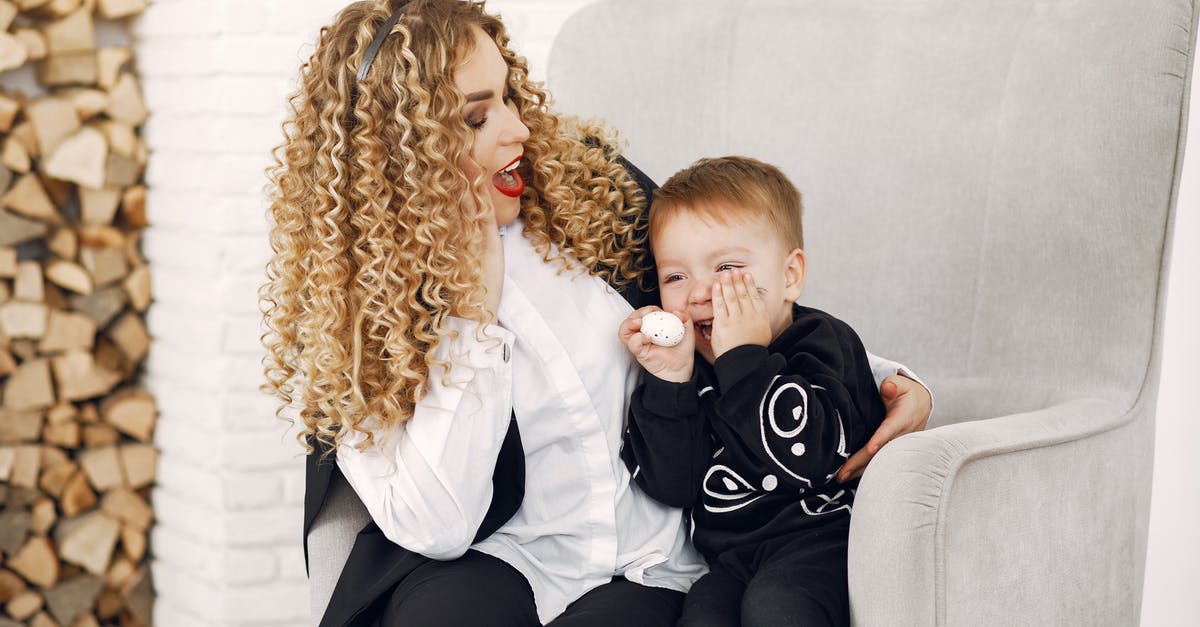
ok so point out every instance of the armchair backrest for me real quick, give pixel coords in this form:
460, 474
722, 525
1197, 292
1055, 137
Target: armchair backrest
988, 185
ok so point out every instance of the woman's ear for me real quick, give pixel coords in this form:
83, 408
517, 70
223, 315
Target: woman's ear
794, 269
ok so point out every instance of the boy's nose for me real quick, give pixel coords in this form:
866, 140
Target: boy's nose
701, 292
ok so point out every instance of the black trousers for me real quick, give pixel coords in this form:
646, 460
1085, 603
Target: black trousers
795, 581
480, 590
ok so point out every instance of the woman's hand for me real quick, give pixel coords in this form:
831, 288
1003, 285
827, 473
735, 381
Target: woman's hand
908, 405
669, 363
493, 263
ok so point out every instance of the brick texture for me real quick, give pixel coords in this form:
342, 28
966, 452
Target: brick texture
216, 75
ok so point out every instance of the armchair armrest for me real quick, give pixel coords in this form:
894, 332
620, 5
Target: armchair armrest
1031, 518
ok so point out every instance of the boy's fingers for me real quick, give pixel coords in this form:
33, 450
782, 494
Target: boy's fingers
720, 311
756, 299
732, 299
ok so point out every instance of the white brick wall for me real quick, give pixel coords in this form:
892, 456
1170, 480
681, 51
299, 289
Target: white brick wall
216, 74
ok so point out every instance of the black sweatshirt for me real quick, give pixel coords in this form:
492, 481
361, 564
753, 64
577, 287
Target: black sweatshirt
752, 442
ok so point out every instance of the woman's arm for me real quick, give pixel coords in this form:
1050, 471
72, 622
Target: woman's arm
909, 404
428, 483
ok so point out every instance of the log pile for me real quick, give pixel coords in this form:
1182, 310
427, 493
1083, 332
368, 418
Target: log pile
76, 457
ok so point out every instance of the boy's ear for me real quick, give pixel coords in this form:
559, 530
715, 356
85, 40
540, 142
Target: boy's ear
794, 270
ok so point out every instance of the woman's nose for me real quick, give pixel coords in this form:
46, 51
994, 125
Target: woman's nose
515, 131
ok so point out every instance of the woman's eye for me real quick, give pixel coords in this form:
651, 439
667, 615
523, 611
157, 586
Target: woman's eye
477, 123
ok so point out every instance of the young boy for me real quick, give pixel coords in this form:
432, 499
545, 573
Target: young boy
750, 438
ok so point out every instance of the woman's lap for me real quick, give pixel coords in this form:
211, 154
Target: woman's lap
473, 590
480, 590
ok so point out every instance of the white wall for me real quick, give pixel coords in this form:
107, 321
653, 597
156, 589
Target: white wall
227, 545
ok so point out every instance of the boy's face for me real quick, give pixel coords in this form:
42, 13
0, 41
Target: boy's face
691, 249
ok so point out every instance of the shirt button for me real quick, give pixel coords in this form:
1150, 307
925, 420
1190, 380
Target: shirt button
506, 352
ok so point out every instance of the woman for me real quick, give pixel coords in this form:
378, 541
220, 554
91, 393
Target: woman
450, 257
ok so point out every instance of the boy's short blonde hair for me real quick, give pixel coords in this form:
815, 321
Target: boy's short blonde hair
732, 186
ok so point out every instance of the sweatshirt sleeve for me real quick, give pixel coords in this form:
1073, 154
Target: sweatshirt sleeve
799, 413
666, 445
428, 483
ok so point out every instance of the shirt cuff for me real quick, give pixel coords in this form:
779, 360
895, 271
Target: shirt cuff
739, 362
667, 398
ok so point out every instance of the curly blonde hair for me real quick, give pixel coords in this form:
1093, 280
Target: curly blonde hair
373, 246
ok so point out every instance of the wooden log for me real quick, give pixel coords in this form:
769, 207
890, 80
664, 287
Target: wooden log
65, 434
133, 206
28, 198
10, 584
128, 507
65, 244
89, 542
98, 206
28, 284
69, 599
101, 236
15, 157
119, 572
25, 349
88, 414
122, 138
34, 42
8, 364
88, 102
106, 265
57, 8
103, 467
81, 158
36, 562
44, 517
125, 102
110, 59
133, 249
15, 229
26, 462
132, 411
122, 171
8, 11
109, 604
79, 377
137, 286
9, 107
23, 320
56, 479
20, 425
8, 457
12, 52
139, 597
139, 462
8, 262
77, 495
61, 412
73, 33
114, 9
29, 387
71, 276
69, 68
85, 620
100, 435
52, 456
25, 133
53, 120
42, 619
14, 529
129, 334
67, 331
24, 604
133, 542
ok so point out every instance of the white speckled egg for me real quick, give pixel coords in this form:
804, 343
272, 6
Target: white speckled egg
663, 328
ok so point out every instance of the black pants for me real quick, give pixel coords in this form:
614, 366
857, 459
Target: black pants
480, 590
795, 581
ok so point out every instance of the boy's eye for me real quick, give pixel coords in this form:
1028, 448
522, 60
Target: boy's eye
726, 266
671, 278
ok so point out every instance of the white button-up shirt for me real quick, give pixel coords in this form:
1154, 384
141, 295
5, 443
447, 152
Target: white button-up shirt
555, 361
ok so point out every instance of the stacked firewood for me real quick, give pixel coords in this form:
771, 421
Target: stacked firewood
76, 458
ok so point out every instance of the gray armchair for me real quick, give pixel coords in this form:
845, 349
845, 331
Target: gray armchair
990, 187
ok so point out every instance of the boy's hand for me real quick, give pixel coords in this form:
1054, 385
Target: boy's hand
669, 363
739, 314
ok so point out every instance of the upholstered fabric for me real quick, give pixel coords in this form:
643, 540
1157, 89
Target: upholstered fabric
1000, 175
